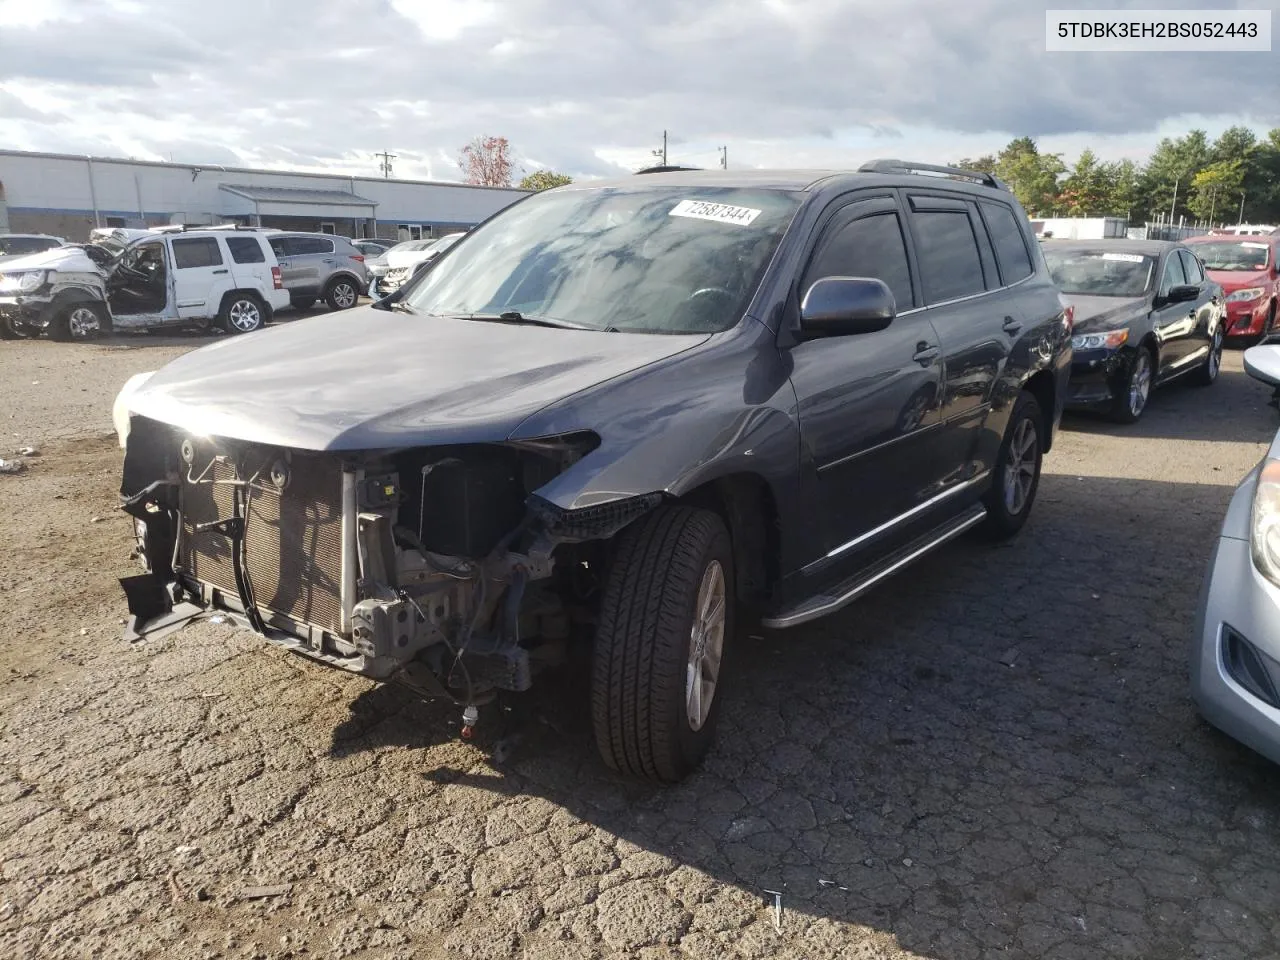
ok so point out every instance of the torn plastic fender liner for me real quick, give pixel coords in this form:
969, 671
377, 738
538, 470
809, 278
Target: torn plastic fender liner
591, 523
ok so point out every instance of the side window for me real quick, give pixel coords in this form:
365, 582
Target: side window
1010, 244
1191, 266
948, 251
870, 246
280, 246
1173, 273
246, 250
196, 252
302, 246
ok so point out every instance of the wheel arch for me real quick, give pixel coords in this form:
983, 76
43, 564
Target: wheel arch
263, 304
748, 506
342, 275
1042, 386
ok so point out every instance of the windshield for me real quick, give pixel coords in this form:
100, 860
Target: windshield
410, 245
639, 259
1232, 255
1095, 273
12, 246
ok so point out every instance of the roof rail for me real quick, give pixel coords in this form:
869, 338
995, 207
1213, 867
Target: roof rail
955, 173
664, 168
184, 227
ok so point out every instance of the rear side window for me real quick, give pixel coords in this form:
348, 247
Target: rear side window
281, 247
870, 246
246, 250
1011, 246
948, 251
196, 252
301, 246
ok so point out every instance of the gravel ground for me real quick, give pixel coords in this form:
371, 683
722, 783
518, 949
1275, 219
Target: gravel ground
907, 792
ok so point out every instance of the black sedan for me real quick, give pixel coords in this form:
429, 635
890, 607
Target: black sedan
1145, 314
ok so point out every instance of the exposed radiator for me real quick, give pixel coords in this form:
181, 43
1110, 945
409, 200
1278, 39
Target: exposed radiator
292, 545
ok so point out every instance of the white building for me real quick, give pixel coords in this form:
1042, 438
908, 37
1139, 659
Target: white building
1080, 228
68, 195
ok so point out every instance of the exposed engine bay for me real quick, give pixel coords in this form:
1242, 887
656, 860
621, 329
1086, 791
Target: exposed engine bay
436, 567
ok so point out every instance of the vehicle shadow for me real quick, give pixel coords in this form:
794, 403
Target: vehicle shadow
993, 753
1235, 409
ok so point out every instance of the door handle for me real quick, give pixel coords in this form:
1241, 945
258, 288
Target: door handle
1011, 326
925, 354
223, 270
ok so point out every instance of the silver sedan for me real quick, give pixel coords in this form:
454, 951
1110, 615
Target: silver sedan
1235, 661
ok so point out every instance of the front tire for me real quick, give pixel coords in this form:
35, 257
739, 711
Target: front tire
79, 322
242, 313
1135, 389
1208, 371
343, 294
1017, 472
666, 613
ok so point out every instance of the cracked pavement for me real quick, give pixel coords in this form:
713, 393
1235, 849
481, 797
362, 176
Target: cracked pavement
906, 790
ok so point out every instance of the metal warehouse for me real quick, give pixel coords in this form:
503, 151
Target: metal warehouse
67, 195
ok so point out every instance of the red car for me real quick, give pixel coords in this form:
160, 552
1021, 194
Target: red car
1248, 267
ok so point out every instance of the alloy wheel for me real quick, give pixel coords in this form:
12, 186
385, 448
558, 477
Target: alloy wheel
344, 295
1215, 354
83, 323
245, 316
1140, 383
706, 645
1020, 467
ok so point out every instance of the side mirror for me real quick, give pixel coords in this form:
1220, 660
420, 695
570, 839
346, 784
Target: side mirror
837, 306
1263, 363
1182, 293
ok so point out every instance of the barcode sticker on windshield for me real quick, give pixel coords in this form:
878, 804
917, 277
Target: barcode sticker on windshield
1254, 246
1124, 257
719, 212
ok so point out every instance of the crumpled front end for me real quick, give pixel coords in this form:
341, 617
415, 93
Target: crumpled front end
438, 567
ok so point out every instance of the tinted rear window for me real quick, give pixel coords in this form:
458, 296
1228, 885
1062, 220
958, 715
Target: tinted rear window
246, 250
302, 246
1011, 248
196, 252
949, 263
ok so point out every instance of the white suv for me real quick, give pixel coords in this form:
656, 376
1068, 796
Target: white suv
229, 278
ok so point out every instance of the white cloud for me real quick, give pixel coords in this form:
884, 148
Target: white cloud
589, 87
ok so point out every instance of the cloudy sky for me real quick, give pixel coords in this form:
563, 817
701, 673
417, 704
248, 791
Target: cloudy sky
587, 86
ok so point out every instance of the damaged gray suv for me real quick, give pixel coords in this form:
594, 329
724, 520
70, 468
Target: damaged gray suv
624, 413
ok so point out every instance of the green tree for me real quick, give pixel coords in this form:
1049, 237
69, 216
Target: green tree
985, 163
1122, 189
1215, 188
1169, 170
544, 180
1086, 192
1235, 143
1031, 175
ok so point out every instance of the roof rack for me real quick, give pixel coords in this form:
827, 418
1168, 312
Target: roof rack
184, 227
665, 168
955, 173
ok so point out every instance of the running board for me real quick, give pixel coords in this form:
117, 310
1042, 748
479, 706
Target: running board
845, 593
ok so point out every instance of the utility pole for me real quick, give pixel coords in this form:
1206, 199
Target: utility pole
1241, 220
724, 158
1173, 206
663, 152
1213, 202
385, 166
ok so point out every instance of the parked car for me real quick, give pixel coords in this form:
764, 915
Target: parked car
405, 261
172, 279
623, 414
1145, 314
320, 266
1235, 653
372, 248
21, 244
1248, 269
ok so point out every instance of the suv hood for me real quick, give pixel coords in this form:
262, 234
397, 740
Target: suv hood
1097, 314
57, 258
408, 258
369, 379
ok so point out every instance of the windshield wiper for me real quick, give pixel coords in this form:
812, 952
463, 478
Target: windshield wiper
515, 316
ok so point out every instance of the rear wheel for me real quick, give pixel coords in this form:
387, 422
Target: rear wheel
1208, 372
343, 294
242, 313
1135, 390
665, 616
79, 321
1017, 472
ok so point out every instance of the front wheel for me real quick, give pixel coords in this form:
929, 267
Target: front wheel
79, 322
1017, 472
343, 294
666, 613
242, 313
1135, 389
1208, 371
